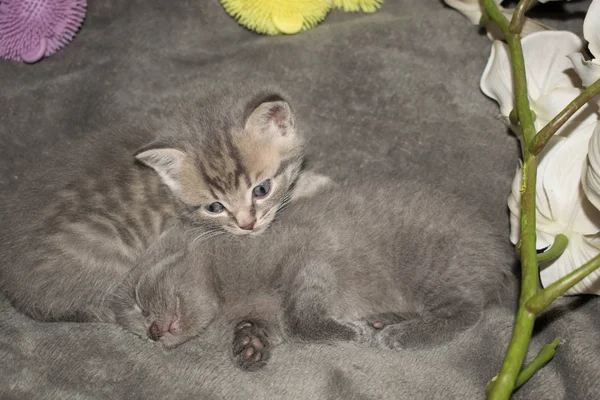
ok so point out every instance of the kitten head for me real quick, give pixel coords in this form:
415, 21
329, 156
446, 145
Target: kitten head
230, 160
164, 304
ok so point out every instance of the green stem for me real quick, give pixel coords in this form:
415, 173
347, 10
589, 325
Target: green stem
543, 298
504, 385
518, 19
520, 87
494, 13
523, 328
507, 379
540, 140
558, 247
542, 358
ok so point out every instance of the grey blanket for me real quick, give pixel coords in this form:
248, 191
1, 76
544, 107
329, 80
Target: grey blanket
393, 93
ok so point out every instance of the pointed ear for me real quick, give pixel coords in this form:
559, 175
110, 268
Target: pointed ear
167, 162
272, 117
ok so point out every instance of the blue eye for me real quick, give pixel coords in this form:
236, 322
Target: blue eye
214, 208
262, 189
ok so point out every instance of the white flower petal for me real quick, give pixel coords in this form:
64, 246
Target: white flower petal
547, 67
547, 106
496, 81
580, 250
591, 28
546, 64
591, 175
586, 218
542, 201
561, 184
588, 70
561, 206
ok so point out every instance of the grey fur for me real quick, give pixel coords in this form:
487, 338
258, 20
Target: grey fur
76, 228
404, 254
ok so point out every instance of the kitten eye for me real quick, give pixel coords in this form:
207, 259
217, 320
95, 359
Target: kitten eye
262, 189
214, 208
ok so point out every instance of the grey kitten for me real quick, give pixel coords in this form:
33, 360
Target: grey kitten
224, 163
394, 265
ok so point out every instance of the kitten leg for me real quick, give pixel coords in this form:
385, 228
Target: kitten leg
251, 348
310, 304
429, 329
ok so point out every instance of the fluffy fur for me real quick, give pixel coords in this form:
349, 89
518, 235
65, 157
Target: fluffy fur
79, 226
390, 264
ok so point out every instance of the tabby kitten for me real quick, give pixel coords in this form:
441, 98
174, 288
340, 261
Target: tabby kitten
390, 264
225, 163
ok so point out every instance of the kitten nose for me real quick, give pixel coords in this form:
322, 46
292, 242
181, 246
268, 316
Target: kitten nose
245, 221
171, 324
249, 226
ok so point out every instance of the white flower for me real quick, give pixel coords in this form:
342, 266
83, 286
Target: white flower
589, 70
551, 82
591, 175
561, 207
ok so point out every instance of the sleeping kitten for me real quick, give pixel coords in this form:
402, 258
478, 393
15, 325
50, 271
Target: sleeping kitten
394, 265
153, 301
225, 163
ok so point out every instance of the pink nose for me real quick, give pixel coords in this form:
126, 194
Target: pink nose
157, 330
248, 227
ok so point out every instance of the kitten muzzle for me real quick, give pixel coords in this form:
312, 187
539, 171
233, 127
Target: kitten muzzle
170, 325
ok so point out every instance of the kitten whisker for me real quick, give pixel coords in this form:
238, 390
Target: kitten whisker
201, 229
202, 235
207, 235
284, 202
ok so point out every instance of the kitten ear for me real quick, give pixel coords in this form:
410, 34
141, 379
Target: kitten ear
167, 162
273, 116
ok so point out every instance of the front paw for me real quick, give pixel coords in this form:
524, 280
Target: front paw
251, 348
390, 337
363, 331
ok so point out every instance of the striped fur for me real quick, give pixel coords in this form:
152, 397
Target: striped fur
80, 223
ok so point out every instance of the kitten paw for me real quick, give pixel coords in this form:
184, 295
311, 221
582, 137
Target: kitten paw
380, 321
390, 337
250, 346
363, 331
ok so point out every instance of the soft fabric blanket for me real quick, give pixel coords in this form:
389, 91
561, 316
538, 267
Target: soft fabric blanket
394, 93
